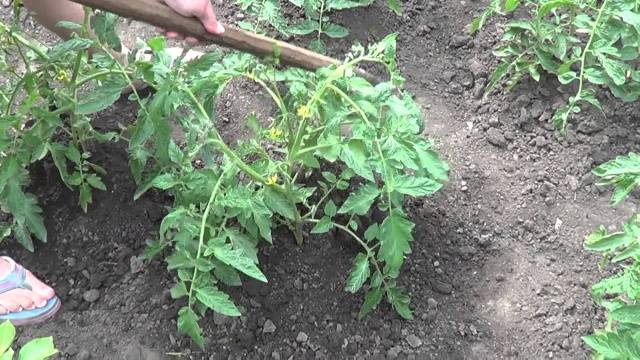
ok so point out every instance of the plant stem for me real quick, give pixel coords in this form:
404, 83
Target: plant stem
297, 232
96, 75
223, 146
40, 51
376, 141
320, 20
21, 53
348, 231
314, 148
203, 225
583, 57
124, 73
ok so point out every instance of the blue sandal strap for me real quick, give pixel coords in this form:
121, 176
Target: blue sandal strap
15, 279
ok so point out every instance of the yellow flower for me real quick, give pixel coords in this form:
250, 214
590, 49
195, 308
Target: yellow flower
275, 133
62, 76
304, 112
272, 180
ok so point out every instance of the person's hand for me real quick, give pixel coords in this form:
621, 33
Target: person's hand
200, 9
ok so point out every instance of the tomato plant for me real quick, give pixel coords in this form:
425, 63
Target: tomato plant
587, 43
229, 203
620, 293
317, 19
333, 136
46, 112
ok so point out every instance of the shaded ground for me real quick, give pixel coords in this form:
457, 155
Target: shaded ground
497, 270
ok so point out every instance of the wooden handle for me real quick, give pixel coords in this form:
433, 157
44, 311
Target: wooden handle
157, 13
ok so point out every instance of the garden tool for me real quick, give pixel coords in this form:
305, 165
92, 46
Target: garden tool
156, 12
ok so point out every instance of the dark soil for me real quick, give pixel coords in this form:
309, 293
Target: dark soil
498, 270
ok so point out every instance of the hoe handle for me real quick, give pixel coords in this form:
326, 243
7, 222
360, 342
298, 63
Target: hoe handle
156, 12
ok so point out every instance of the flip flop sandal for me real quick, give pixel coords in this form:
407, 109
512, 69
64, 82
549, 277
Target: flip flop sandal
17, 279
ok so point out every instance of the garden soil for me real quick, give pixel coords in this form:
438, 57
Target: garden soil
498, 269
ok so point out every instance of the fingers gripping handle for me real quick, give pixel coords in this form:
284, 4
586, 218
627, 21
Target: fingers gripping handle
156, 12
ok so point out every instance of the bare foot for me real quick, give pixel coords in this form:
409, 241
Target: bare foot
19, 299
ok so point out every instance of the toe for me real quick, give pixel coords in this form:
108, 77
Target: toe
33, 299
23, 298
40, 288
9, 304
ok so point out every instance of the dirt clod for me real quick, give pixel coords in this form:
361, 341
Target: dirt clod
302, 337
269, 327
91, 296
496, 137
414, 341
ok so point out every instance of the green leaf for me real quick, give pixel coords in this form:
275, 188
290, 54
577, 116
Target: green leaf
157, 43
38, 349
244, 243
85, 197
318, 46
496, 76
360, 201
330, 177
226, 273
395, 6
69, 25
324, 225
595, 75
551, 5
262, 217
175, 153
400, 302
96, 182
104, 25
239, 260
431, 162
567, 77
179, 260
217, 301
629, 314
600, 241
330, 208
359, 273
511, 5
479, 21
278, 202
614, 345
415, 186
335, 31
165, 181
395, 237
305, 27
7, 335
615, 69
73, 154
188, 324
630, 252
97, 100
371, 301
69, 47
7, 355
631, 17
372, 232
26, 213
346, 4
179, 290
356, 156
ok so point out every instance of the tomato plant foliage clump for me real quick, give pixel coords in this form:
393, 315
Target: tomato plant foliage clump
620, 293
330, 119
586, 43
337, 153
